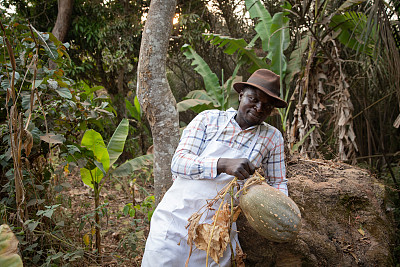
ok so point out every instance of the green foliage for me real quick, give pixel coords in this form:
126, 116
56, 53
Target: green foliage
147, 207
117, 142
295, 61
52, 109
245, 52
103, 157
274, 34
135, 110
263, 28
99, 165
278, 42
354, 33
129, 167
211, 82
214, 95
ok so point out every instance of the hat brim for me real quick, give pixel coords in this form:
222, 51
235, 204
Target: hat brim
280, 103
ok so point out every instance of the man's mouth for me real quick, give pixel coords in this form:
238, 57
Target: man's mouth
254, 115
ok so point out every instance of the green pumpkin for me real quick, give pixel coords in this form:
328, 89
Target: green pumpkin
271, 213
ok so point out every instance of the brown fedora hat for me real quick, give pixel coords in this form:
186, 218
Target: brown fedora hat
266, 81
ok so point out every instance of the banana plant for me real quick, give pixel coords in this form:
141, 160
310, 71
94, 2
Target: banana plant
274, 34
244, 50
215, 95
99, 161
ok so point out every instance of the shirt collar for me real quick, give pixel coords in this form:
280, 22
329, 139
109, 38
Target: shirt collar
235, 122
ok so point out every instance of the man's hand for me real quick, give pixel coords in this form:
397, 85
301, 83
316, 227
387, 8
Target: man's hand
241, 168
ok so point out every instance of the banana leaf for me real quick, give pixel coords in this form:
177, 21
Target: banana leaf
279, 42
294, 64
263, 28
117, 142
233, 45
93, 141
9, 248
127, 168
211, 81
197, 105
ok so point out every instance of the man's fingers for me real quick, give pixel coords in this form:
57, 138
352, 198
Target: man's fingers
249, 167
252, 168
241, 174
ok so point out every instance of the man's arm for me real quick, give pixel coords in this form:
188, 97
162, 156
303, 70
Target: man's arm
186, 161
274, 165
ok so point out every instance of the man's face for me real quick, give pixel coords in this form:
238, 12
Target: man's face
255, 106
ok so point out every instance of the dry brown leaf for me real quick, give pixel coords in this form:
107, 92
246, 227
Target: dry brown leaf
28, 143
240, 256
192, 227
236, 212
216, 236
223, 216
218, 243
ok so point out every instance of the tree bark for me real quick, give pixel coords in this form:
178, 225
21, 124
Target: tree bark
60, 29
154, 93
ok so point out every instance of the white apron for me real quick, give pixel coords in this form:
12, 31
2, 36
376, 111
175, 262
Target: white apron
167, 242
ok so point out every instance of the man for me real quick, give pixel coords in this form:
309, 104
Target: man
216, 147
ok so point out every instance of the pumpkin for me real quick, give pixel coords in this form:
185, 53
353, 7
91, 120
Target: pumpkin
270, 212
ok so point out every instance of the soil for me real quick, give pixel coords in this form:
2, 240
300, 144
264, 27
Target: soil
343, 217
344, 220
123, 237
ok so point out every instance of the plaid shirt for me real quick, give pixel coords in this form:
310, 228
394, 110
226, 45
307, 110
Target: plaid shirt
268, 152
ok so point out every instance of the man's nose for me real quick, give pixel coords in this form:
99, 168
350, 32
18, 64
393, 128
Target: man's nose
258, 106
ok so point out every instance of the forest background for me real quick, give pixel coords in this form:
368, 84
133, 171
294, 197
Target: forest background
71, 114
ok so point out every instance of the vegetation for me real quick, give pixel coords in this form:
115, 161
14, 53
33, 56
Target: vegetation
338, 62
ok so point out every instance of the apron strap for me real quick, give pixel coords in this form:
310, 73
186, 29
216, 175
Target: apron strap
253, 143
230, 116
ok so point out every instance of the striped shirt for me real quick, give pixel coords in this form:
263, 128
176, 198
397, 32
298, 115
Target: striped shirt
267, 153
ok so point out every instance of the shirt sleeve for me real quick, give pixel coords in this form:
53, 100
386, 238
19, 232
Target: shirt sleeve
186, 162
274, 165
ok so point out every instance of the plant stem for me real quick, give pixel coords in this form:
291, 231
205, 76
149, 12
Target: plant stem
97, 217
216, 216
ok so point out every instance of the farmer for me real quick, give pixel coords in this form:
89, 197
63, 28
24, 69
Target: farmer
216, 147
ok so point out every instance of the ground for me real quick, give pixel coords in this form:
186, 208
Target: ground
343, 216
123, 236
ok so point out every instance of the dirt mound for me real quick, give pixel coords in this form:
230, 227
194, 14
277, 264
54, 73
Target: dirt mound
344, 222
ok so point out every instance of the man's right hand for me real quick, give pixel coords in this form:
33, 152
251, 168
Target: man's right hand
241, 168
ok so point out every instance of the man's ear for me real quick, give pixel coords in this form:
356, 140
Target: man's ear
240, 95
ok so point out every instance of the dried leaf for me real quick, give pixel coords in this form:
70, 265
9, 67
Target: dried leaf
28, 143
192, 227
236, 212
218, 243
52, 138
214, 236
223, 216
361, 231
396, 123
86, 239
240, 256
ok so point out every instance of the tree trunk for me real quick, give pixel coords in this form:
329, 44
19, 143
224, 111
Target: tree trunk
63, 19
154, 93
61, 26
